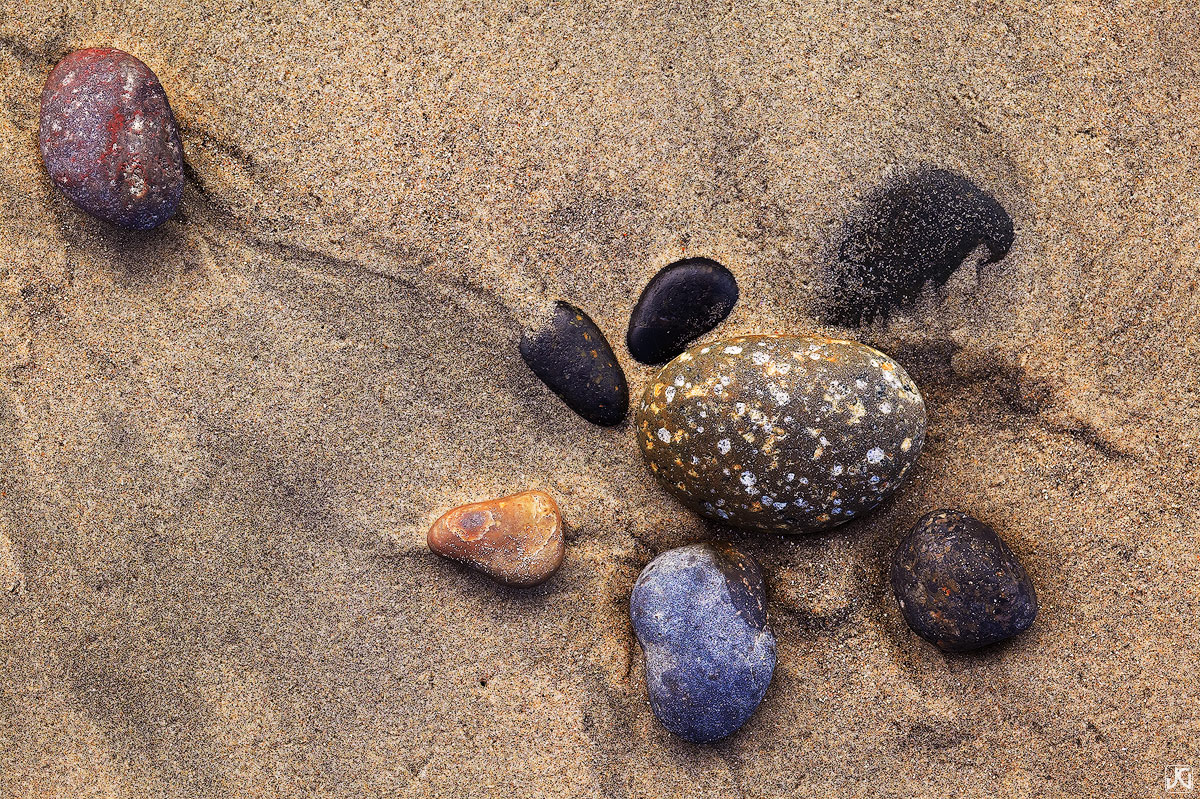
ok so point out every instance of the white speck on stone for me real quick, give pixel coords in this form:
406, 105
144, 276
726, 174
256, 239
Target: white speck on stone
760, 358
136, 183
791, 476
874, 455
836, 471
781, 396
906, 445
723, 446
885, 407
670, 392
733, 350
664, 435
748, 478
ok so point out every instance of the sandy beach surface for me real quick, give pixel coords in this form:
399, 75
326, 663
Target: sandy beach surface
222, 441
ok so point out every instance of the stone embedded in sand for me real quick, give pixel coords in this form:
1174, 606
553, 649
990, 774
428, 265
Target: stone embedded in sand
518, 540
573, 358
109, 139
684, 300
781, 433
958, 584
914, 230
700, 615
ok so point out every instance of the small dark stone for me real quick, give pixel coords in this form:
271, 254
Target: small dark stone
683, 301
916, 229
699, 613
571, 356
109, 139
958, 584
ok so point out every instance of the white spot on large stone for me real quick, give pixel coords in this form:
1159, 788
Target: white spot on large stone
723, 446
664, 435
874, 455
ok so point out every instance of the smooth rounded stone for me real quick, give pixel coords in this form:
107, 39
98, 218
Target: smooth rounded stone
684, 300
109, 139
573, 358
958, 584
780, 433
916, 229
699, 613
518, 540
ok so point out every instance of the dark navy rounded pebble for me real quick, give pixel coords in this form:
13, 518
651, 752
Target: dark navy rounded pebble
958, 584
683, 301
699, 613
571, 356
913, 230
109, 139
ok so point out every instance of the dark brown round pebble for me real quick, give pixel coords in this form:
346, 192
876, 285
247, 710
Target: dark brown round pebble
914, 230
683, 301
958, 584
573, 358
109, 139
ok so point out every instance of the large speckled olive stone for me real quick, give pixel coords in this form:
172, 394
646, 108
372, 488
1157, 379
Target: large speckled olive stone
781, 433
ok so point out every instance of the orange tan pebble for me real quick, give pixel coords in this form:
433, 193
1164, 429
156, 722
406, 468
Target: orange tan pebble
518, 540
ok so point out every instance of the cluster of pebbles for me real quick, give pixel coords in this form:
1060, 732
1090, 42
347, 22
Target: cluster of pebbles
768, 433
772, 434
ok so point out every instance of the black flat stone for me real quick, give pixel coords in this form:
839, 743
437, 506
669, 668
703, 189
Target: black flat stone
684, 300
958, 584
914, 230
572, 357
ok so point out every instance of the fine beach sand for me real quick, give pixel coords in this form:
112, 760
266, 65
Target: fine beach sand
222, 441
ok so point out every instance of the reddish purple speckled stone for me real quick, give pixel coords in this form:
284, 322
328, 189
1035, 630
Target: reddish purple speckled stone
109, 139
